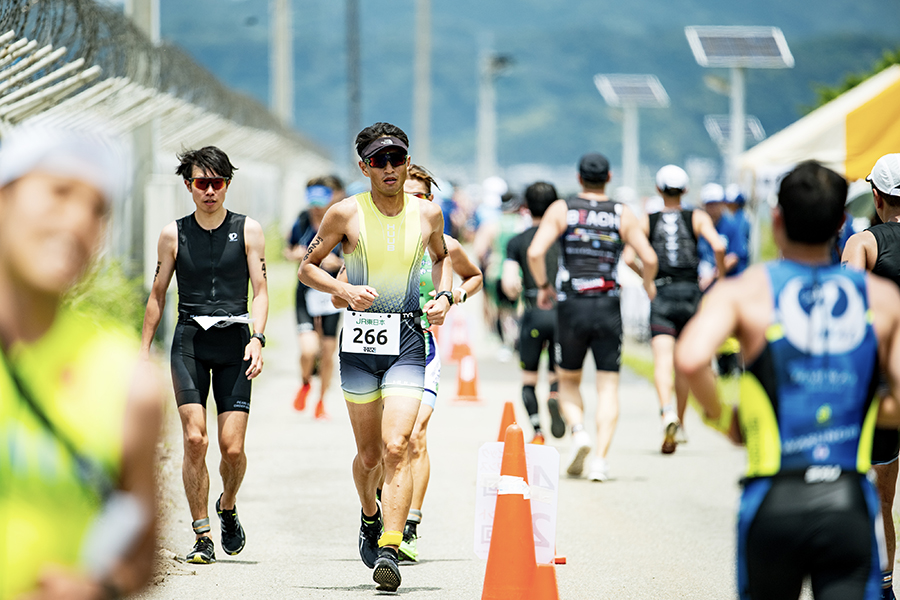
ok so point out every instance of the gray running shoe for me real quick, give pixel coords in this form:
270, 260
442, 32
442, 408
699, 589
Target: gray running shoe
387, 570
204, 552
233, 536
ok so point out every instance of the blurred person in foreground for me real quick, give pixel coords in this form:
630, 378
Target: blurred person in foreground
814, 335
317, 319
216, 255
80, 414
877, 249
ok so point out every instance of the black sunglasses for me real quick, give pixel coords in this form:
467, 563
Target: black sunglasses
380, 160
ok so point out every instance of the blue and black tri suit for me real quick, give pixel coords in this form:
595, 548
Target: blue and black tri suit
807, 414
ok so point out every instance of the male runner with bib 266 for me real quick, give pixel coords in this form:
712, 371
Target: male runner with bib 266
384, 234
213, 252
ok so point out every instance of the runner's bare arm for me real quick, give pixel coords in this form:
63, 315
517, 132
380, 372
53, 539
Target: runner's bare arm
884, 303
633, 235
467, 270
704, 226
255, 242
332, 232
553, 224
337, 301
695, 348
442, 264
860, 251
166, 249
510, 279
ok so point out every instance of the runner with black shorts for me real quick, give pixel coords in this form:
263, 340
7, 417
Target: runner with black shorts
673, 233
591, 230
878, 250
384, 234
214, 253
813, 335
537, 328
317, 319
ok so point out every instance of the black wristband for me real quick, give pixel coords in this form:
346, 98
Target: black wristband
447, 295
260, 337
545, 286
111, 591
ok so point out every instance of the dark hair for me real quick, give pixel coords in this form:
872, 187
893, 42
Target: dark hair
889, 199
373, 132
812, 199
539, 196
332, 181
209, 159
421, 174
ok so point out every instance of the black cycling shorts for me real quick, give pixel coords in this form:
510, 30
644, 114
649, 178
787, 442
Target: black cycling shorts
326, 325
593, 322
885, 446
537, 330
824, 530
215, 356
673, 307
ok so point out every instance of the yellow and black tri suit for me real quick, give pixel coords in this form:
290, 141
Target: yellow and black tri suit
807, 414
387, 257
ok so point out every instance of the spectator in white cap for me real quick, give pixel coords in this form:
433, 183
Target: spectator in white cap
673, 232
80, 414
875, 250
714, 202
740, 246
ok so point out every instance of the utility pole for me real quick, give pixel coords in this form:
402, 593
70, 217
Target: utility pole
145, 14
490, 66
281, 66
422, 84
354, 102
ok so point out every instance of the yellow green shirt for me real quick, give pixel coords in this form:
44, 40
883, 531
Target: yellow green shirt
79, 373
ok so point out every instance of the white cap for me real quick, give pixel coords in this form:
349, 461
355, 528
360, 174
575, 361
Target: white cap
672, 177
733, 193
93, 157
885, 175
712, 192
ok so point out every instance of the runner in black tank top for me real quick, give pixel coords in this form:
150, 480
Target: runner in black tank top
673, 233
878, 250
214, 253
591, 231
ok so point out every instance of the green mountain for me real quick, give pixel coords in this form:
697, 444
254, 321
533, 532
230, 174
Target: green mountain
548, 109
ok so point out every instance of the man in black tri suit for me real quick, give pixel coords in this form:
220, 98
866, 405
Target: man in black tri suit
537, 327
673, 233
591, 230
877, 249
813, 336
214, 253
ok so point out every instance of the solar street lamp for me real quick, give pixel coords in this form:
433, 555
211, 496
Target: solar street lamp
719, 129
739, 48
630, 92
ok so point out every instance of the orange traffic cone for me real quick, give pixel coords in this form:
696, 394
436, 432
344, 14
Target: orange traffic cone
467, 380
460, 337
511, 564
544, 586
508, 418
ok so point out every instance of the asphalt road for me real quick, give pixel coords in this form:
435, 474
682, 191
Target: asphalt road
663, 527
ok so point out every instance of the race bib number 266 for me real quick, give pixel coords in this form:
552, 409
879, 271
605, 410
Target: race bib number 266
371, 333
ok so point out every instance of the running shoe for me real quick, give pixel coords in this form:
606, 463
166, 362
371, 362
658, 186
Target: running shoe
387, 570
599, 470
408, 547
538, 438
681, 435
669, 444
581, 447
368, 539
204, 552
888, 593
557, 423
300, 398
320, 414
233, 536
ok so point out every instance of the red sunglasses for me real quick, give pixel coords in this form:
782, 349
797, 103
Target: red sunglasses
201, 183
380, 160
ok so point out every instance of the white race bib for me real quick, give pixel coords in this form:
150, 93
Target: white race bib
371, 333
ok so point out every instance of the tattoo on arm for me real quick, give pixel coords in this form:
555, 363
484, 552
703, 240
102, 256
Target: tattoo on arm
315, 244
343, 268
263, 261
156, 275
444, 243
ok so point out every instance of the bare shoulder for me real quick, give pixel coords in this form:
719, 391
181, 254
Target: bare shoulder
169, 233
883, 294
453, 246
253, 227
429, 208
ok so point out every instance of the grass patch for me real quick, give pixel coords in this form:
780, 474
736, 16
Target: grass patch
107, 294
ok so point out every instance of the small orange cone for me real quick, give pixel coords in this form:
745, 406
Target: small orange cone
460, 337
508, 418
544, 586
511, 564
467, 380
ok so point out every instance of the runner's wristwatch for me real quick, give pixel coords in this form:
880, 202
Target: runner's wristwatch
462, 294
447, 294
260, 337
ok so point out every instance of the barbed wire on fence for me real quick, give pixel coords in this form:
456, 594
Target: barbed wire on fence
103, 36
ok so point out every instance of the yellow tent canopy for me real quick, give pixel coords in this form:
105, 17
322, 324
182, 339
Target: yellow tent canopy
848, 134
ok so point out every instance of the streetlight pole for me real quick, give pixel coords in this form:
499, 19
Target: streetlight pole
281, 66
422, 84
736, 141
354, 101
631, 151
